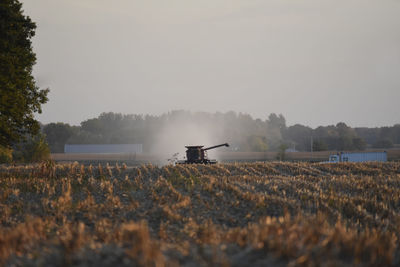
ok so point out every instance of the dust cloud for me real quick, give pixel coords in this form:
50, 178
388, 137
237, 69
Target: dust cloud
170, 142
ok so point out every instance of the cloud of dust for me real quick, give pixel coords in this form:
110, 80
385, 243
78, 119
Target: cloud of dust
177, 134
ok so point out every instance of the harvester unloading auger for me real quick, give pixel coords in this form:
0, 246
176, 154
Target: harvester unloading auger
198, 155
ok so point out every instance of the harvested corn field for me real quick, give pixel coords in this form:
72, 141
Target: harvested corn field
247, 214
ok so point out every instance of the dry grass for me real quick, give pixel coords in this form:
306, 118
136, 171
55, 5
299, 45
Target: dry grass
296, 214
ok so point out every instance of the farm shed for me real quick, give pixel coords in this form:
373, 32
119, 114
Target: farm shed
103, 148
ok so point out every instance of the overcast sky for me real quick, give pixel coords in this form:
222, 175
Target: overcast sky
317, 62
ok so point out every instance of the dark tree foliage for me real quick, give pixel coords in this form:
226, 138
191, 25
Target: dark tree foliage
34, 149
383, 143
383, 137
20, 98
57, 135
320, 146
299, 136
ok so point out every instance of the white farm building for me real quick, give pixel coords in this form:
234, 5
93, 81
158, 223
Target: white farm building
103, 148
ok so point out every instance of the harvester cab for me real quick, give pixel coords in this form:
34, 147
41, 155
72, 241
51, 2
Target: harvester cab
198, 155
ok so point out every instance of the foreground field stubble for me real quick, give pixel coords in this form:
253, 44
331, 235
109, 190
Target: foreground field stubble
226, 214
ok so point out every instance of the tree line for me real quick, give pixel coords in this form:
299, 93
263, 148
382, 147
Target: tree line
243, 132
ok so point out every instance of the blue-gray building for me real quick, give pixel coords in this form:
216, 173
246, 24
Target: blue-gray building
103, 148
358, 157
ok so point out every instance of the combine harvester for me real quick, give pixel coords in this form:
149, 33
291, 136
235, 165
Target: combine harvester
198, 155
357, 157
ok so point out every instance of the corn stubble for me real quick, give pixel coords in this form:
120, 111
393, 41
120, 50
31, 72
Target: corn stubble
296, 214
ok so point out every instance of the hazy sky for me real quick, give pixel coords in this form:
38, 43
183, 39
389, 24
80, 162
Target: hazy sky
317, 62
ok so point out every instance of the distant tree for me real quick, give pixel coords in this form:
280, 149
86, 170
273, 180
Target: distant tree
20, 98
328, 135
257, 143
276, 121
344, 130
345, 143
57, 135
299, 135
396, 134
390, 133
383, 143
34, 149
282, 152
92, 125
320, 146
370, 135
275, 130
359, 143
5, 154
380, 136
348, 139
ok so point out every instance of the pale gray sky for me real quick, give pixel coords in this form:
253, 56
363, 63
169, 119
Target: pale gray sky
317, 62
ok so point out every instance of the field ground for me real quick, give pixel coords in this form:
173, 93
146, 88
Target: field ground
393, 155
244, 214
